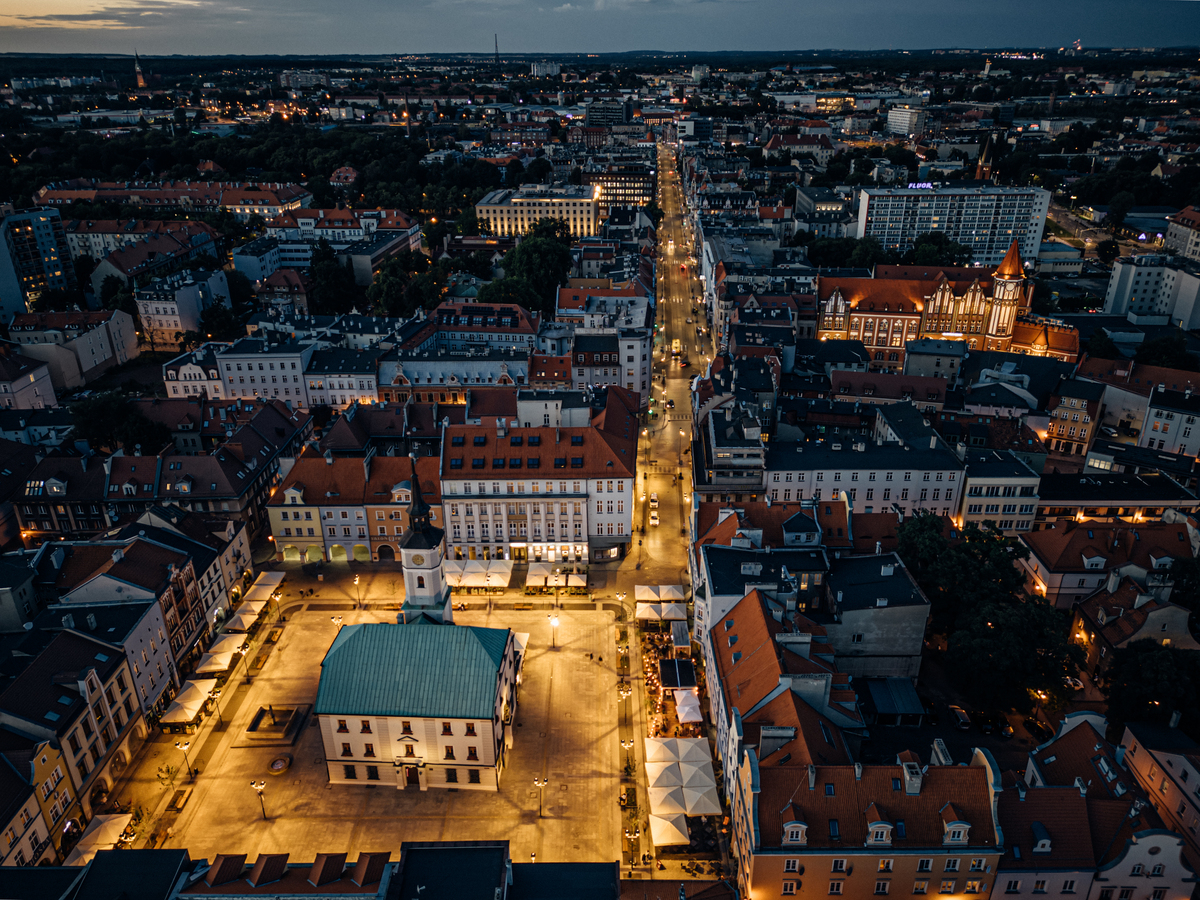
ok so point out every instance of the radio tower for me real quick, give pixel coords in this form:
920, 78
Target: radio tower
497, 37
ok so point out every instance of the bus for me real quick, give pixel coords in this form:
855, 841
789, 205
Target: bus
676, 347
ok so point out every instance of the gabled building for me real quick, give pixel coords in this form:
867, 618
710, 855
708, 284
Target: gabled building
77, 346
1122, 612
25, 382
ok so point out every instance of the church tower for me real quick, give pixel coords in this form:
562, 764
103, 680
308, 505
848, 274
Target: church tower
1008, 284
137, 71
422, 554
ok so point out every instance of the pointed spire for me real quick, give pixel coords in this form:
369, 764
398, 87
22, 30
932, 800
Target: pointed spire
1012, 267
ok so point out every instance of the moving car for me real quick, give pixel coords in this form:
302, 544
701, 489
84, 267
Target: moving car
654, 501
670, 404
654, 517
683, 364
689, 320
959, 717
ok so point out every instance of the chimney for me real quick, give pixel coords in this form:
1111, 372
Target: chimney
1173, 722
887, 570
326, 867
118, 555
912, 778
91, 622
1082, 788
68, 620
501, 427
940, 754
1114, 580
933, 441
812, 777
1021, 791
858, 771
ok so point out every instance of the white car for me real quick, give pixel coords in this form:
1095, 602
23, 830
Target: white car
654, 517
654, 501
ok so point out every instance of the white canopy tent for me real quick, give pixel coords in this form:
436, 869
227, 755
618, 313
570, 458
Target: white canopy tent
189, 701
702, 801
252, 606
668, 592
687, 707
499, 572
693, 750
647, 592
259, 593
660, 750
658, 611
241, 621
103, 833
665, 801
228, 643
696, 775
574, 580
274, 579
213, 662
666, 831
663, 774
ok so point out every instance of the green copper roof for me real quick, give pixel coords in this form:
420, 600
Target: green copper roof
398, 670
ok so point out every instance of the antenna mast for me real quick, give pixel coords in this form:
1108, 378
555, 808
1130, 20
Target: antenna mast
497, 38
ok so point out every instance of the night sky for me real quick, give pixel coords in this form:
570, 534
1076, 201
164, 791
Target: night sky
530, 26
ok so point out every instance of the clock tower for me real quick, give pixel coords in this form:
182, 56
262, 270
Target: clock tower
422, 552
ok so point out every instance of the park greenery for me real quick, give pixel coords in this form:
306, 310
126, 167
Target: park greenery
1004, 645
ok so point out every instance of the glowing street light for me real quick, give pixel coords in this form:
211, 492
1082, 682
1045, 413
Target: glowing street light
540, 784
553, 631
182, 747
258, 787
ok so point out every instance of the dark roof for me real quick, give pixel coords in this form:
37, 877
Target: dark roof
45, 692
577, 880
861, 583
452, 870
42, 882
133, 875
1075, 489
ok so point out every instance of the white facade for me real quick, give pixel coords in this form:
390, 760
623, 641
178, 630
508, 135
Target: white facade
32, 389
196, 373
986, 219
509, 212
1155, 286
174, 304
275, 372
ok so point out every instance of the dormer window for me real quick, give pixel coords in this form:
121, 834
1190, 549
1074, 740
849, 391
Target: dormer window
795, 833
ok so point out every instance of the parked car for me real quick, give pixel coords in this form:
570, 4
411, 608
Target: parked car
1074, 684
689, 320
670, 404
985, 722
1005, 729
654, 500
654, 517
959, 717
1038, 729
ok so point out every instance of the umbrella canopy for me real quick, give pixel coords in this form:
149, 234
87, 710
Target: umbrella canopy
693, 750
534, 579
252, 606
475, 566
214, 662
241, 621
670, 591
574, 580
687, 706
541, 570
260, 592
228, 643
274, 579
102, 833
660, 750
666, 831
666, 800
663, 774
499, 572
188, 702
648, 592
651, 611
696, 775
474, 579
674, 611
702, 801
452, 566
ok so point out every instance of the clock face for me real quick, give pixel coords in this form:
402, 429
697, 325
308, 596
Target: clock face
418, 560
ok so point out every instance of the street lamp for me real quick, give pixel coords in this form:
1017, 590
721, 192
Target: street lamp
557, 572
182, 747
680, 446
553, 631
336, 620
215, 697
357, 594
258, 788
540, 784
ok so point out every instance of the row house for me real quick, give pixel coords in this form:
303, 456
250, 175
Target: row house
1166, 765
77, 693
462, 325
99, 237
133, 570
620, 356
1170, 422
1070, 560
341, 378
866, 830
343, 508
1122, 612
34, 779
255, 367
443, 376
196, 373
25, 382
999, 488
1114, 498
538, 490
1076, 409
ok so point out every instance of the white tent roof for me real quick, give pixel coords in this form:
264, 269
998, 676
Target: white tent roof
666, 831
214, 662
671, 591
471, 566
272, 578
674, 611
666, 800
252, 606
660, 750
453, 566
102, 833
187, 703
647, 592
693, 750
651, 611
687, 706
474, 579
259, 592
241, 621
228, 643
541, 570
574, 580
702, 801
663, 774
696, 775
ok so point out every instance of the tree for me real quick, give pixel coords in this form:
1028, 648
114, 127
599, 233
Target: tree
388, 292
920, 543
1147, 681
109, 288
1006, 648
1107, 251
333, 288
1185, 572
1118, 208
509, 291
219, 323
1102, 346
109, 420
868, 253
935, 248
539, 171
543, 264
1169, 351
554, 229
57, 301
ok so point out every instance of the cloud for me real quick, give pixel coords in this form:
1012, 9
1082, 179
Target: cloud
76, 14
566, 7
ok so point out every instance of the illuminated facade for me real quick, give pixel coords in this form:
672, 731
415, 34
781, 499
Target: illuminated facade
510, 212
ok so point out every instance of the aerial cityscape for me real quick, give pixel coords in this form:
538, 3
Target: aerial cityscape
594, 473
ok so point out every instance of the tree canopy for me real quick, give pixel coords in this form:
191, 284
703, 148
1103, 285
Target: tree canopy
109, 420
1147, 681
